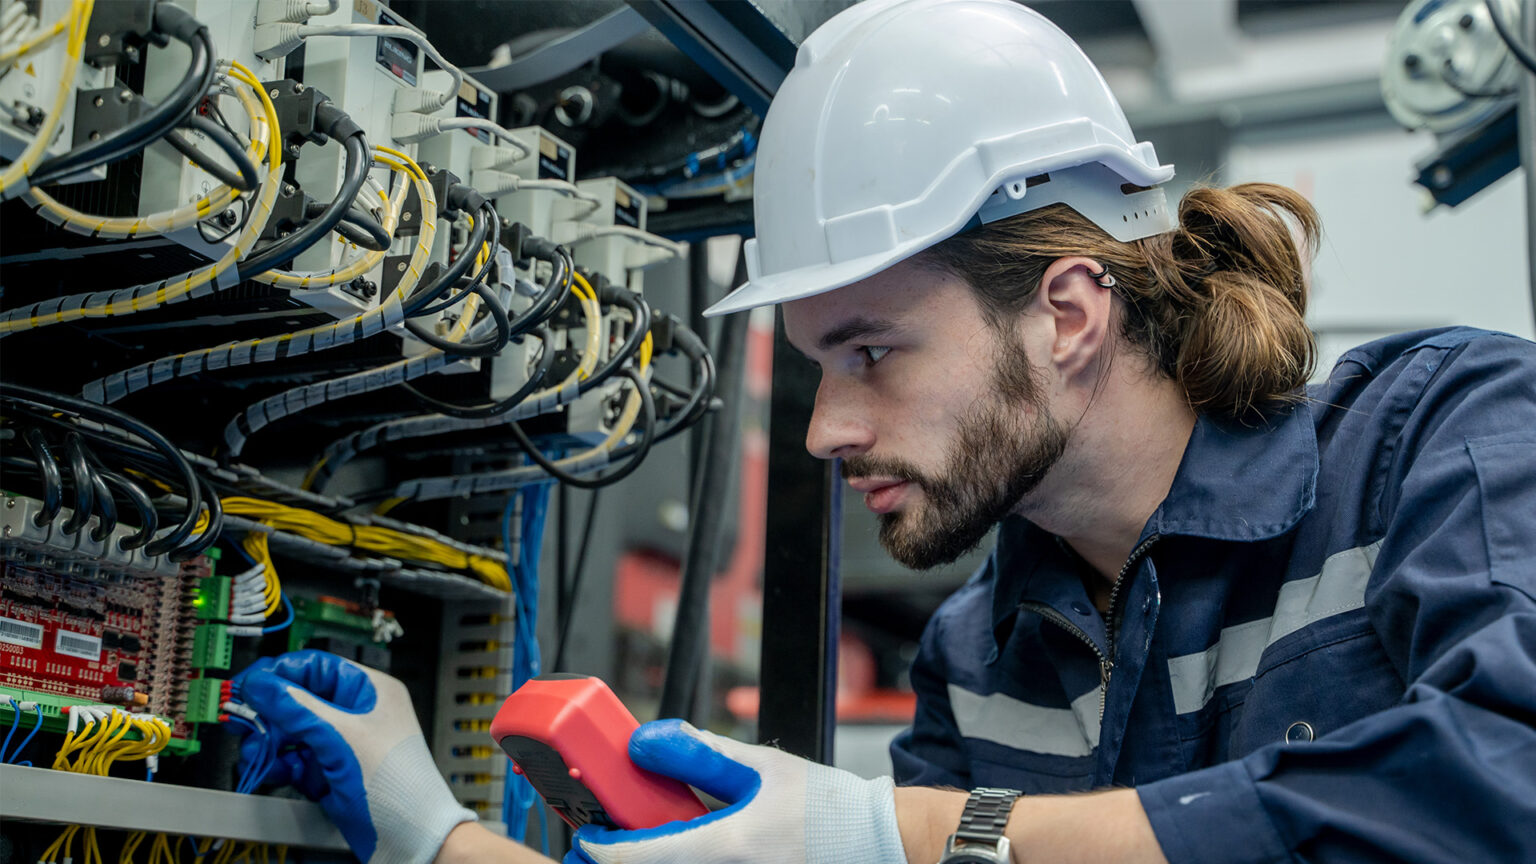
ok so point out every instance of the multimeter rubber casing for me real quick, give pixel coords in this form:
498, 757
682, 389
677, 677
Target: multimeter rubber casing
569, 735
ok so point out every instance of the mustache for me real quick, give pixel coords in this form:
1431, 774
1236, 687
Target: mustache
873, 466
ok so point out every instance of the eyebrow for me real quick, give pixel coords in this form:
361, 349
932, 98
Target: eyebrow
855, 328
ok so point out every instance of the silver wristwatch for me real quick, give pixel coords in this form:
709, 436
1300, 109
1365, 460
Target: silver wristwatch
980, 839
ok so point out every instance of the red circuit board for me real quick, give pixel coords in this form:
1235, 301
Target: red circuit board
66, 634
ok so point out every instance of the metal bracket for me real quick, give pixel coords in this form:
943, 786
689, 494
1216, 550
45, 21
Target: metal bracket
565, 53
731, 40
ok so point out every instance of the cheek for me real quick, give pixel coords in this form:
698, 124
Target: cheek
920, 418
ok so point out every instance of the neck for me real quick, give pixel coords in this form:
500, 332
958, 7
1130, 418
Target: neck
1116, 472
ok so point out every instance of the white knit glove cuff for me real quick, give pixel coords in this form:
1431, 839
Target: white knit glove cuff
410, 806
864, 826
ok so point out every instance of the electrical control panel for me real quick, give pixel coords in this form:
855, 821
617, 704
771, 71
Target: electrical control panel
263, 350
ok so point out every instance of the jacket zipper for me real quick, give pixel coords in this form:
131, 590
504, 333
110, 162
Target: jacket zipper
1107, 664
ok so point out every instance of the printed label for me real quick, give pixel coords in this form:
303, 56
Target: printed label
626, 210
554, 159
82, 645
23, 633
474, 102
397, 56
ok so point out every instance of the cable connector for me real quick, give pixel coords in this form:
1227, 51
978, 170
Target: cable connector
239, 710
416, 100
494, 184
271, 41
641, 257
571, 233
281, 12
489, 156
286, 11
408, 127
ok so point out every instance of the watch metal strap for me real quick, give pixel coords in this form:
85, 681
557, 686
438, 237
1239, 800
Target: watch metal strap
986, 814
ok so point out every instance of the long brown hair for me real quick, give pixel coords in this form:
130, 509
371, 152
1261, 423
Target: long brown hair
1217, 304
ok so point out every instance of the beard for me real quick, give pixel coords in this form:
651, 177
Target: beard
996, 459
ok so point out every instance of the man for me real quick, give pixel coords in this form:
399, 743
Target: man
1264, 623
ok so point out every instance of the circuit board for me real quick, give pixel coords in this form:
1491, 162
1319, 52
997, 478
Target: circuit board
126, 640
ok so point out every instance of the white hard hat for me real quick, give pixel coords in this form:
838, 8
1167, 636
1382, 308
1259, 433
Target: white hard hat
905, 120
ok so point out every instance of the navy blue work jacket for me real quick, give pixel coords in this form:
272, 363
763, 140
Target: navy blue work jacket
1324, 648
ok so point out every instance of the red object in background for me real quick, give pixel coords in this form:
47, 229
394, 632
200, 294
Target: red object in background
569, 735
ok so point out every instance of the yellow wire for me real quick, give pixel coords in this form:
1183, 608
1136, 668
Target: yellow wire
197, 278
368, 260
159, 223
22, 167
131, 847
37, 41
386, 541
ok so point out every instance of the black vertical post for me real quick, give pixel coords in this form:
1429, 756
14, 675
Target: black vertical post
801, 589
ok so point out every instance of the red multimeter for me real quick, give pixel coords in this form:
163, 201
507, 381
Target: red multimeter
569, 735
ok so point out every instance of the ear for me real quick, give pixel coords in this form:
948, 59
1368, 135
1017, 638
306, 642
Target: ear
1077, 311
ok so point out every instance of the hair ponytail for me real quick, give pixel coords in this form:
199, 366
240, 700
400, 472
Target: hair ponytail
1217, 305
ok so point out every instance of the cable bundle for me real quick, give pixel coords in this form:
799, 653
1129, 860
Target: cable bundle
372, 538
97, 738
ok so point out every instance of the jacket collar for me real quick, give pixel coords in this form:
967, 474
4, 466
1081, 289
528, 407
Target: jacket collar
1235, 482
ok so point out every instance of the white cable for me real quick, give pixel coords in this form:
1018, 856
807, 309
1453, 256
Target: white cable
490, 126
283, 38
245, 711
571, 233
494, 184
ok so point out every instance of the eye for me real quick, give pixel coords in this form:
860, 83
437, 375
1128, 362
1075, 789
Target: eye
873, 353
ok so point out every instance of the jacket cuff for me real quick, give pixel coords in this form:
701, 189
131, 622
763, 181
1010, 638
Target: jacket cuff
1212, 816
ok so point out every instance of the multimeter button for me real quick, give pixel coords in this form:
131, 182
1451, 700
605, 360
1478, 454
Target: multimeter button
575, 773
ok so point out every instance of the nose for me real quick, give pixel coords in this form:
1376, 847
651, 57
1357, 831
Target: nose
838, 426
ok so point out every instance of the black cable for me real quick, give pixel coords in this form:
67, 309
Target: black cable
106, 414
53, 481
149, 520
83, 480
245, 177
285, 250
575, 581
491, 409
688, 652
449, 278
357, 227
479, 278
1516, 47
555, 290
647, 408
486, 348
691, 345
697, 405
105, 506
197, 545
639, 328
160, 119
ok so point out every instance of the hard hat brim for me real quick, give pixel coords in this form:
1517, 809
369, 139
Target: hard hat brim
804, 282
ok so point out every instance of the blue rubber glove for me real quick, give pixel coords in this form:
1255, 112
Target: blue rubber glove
362, 755
782, 809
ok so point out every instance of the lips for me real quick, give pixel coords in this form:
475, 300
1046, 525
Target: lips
881, 494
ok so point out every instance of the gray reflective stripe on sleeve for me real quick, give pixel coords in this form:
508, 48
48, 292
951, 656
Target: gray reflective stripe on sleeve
1339, 588
1002, 719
